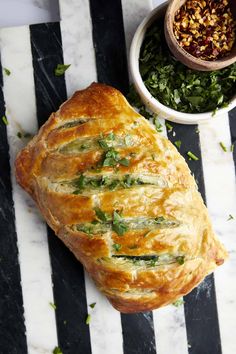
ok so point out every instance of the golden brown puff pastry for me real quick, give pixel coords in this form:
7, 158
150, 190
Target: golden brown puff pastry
122, 198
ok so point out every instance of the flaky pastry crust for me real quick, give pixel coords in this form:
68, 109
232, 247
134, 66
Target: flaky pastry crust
122, 198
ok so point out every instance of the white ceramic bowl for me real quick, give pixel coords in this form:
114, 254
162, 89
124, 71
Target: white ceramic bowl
147, 98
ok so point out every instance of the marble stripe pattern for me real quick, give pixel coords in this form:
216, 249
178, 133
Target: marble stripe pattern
220, 185
78, 49
34, 258
67, 272
169, 319
12, 326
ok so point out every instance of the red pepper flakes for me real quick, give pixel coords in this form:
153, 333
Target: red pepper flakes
205, 29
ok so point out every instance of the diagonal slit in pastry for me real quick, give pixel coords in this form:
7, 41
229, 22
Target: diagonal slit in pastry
122, 198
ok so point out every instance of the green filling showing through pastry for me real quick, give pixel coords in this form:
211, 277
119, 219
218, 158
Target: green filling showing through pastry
121, 225
74, 123
103, 142
146, 260
84, 183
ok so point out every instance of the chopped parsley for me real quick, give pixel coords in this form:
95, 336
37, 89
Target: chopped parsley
180, 260
177, 86
223, 147
57, 350
5, 121
232, 147
230, 217
112, 158
101, 215
157, 124
192, 156
88, 319
169, 127
60, 69
7, 71
53, 305
178, 143
92, 305
178, 302
118, 224
116, 247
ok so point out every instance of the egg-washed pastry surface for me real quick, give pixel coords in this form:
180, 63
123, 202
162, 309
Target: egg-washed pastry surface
122, 198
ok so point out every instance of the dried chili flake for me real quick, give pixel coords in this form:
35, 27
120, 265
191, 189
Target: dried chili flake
205, 29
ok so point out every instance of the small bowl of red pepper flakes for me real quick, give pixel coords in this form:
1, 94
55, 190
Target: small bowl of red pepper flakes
205, 29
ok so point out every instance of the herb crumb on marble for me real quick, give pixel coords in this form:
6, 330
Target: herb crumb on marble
7, 71
61, 68
5, 121
223, 147
230, 217
57, 350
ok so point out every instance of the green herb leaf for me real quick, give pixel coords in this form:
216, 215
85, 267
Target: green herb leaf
169, 127
230, 217
57, 350
116, 246
7, 71
101, 215
88, 319
53, 305
157, 124
223, 147
118, 225
178, 143
192, 156
124, 162
180, 260
19, 134
61, 68
92, 305
5, 121
178, 302
232, 147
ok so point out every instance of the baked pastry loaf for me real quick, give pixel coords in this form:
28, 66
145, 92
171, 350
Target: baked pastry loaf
121, 197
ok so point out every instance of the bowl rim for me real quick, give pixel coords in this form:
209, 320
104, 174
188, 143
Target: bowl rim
153, 103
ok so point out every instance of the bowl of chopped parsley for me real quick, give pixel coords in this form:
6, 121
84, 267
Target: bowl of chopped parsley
168, 87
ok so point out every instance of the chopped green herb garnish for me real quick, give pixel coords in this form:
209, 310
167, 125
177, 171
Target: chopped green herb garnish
223, 147
92, 305
178, 302
101, 215
124, 162
192, 156
232, 147
157, 124
180, 260
88, 319
230, 217
177, 86
19, 134
7, 71
178, 143
116, 246
111, 158
118, 225
57, 350
5, 121
61, 68
53, 305
169, 127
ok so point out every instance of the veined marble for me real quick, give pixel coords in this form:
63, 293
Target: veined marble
31, 229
